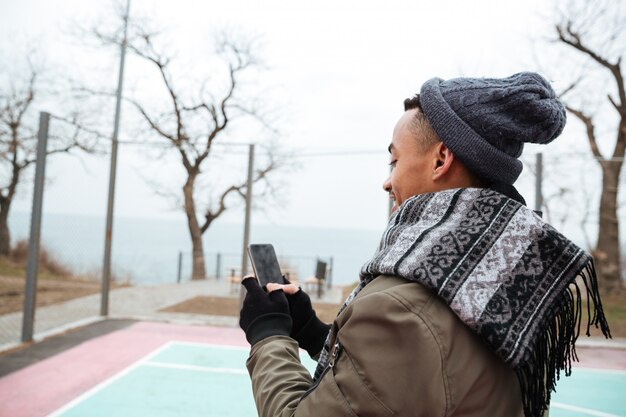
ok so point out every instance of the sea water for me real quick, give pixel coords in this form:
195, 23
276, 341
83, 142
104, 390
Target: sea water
146, 251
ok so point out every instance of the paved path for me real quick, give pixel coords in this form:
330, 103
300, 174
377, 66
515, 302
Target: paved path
138, 303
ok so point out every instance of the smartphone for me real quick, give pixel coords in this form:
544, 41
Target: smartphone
265, 263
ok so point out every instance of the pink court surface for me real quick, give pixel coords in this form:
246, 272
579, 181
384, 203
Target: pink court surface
57, 385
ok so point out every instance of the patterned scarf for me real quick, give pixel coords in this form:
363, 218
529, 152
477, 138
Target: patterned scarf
509, 276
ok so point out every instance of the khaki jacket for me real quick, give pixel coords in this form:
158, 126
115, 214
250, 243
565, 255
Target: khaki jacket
402, 352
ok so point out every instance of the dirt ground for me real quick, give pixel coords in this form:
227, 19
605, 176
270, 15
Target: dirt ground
49, 291
222, 306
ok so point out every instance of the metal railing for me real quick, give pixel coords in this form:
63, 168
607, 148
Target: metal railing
223, 265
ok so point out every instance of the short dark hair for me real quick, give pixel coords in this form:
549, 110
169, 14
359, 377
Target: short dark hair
426, 135
424, 132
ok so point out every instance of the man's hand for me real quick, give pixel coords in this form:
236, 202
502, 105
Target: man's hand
308, 330
263, 315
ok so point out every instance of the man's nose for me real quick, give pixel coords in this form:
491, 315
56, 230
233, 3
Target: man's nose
387, 184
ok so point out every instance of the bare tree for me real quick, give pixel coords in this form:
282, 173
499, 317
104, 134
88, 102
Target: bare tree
193, 119
593, 31
18, 140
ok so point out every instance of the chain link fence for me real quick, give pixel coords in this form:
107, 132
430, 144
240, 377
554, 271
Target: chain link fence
149, 276
68, 280
222, 266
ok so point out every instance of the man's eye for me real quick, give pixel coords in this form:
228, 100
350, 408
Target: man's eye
393, 163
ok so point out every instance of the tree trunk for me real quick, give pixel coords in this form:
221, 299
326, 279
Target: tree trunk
607, 253
198, 270
5, 236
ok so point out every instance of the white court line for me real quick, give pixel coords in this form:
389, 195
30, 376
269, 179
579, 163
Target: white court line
198, 344
196, 368
107, 382
587, 411
230, 347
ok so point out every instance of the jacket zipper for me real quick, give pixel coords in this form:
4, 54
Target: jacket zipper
333, 355
334, 352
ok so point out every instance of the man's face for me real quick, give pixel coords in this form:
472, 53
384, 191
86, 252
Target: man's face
412, 166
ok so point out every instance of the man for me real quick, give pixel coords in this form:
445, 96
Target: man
466, 308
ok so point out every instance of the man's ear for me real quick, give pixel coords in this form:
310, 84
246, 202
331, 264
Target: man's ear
443, 158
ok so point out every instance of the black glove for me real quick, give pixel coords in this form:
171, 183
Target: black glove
309, 331
263, 315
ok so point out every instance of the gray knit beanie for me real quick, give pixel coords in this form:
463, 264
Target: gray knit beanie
486, 121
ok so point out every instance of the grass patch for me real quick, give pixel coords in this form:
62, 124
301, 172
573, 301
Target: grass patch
49, 291
50, 267
56, 282
8, 268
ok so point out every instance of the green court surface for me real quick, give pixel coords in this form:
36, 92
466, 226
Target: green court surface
180, 379
186, 379
588, 392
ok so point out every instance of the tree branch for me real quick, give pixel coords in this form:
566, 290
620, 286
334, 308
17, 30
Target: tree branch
210, 215
571, 87
240, 61
569, 36
219, 126
80, 128
588, 122
161, 63
176, 141
26, 102
152, 123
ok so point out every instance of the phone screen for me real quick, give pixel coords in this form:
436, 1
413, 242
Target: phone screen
265, 263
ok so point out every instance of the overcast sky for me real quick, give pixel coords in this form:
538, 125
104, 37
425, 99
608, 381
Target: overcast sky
337, 70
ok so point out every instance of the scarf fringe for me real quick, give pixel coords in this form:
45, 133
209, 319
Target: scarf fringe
555, 348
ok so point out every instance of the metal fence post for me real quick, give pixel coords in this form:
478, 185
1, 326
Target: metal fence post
330, 272
246, 227
218, 266
180, 267
108, 234
538, 181
30, 288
